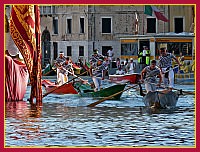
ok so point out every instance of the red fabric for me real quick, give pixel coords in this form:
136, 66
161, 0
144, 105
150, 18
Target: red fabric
25, 31
160, 16
16, 79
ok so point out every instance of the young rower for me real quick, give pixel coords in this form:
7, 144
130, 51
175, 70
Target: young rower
165, 65
97, 72
150, 73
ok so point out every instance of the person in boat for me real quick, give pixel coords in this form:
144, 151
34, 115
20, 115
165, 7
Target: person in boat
97, 72
149, 75
66, 69
95, 57
120, 71
131, 66
110, 54
165, 65
60, 60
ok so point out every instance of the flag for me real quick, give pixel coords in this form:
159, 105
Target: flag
25, 31
149, 10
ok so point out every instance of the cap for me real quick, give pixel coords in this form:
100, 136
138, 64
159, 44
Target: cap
131, 59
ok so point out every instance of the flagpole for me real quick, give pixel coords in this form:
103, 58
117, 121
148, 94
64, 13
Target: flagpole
143, 21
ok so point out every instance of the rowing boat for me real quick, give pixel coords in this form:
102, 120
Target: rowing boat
48, 71
64, 89
132, 78
160, 99
86, 91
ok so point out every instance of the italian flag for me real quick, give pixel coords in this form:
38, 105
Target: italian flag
149, 10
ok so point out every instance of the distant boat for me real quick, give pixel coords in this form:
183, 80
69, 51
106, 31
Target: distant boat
64, 89
87, 91
132, 78
48, 71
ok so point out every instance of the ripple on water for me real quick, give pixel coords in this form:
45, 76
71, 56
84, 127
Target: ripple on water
66, 121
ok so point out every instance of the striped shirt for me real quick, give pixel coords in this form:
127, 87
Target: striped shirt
95, 58
151, 74
60, 61
166, 61
98, 70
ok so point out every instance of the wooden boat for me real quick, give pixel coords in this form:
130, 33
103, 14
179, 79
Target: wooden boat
160, 99
48, 71
65, 89
87, 91
132, 78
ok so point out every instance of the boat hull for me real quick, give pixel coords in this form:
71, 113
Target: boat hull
161, 100
132, 78
104, 92
64, 89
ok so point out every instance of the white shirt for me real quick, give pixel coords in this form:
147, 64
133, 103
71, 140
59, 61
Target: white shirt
144, 53
120, 72
110, 53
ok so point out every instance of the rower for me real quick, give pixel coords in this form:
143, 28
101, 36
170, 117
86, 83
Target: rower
165, 65
150, 73
60, 60
97, 72
66, 69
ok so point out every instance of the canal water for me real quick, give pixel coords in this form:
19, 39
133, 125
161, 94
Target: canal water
65, 121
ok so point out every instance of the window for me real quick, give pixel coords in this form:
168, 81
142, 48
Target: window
129, 49
55, 50
106, 25
81, 50
69, 51
81, 25
176, 47
151, 25
69, 26
178, 25
55, 25
46, 9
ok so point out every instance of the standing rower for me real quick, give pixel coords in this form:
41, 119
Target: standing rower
97, 72
60, 60
165, 65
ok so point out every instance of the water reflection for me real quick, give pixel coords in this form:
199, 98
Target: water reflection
66, 121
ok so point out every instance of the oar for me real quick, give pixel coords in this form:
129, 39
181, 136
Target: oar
106, 98
78, 77
48, 72
192, 93
62, 85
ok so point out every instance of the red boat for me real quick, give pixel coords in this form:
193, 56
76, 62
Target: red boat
64, 89
132, 78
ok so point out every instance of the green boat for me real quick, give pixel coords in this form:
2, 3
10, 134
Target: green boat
48, 71
85, 90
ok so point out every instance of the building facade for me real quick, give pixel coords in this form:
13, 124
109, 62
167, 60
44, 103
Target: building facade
79, 29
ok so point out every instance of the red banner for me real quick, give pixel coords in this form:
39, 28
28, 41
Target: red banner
25, 31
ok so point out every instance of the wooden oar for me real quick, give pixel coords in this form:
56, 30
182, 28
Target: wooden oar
78, 77
62, 85
106, 98
48, 72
